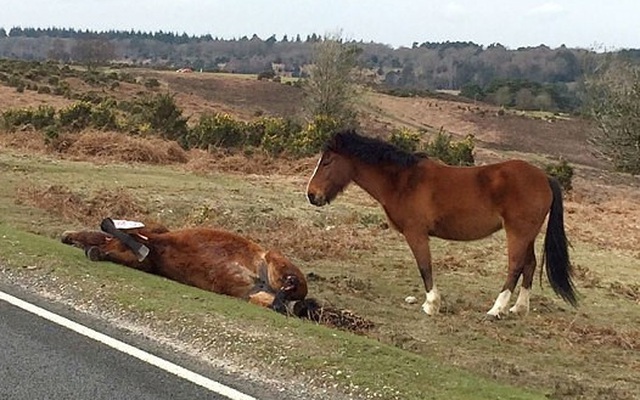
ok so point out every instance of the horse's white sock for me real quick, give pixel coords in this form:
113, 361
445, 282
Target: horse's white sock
522, 304
500, 306
431, 305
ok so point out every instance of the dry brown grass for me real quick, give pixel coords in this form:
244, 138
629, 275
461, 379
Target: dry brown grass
98, 146
118, 147
10, 98
84, 208
257, 162
27, 140
606, 216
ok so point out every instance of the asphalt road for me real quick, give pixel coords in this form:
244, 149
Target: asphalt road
40, 359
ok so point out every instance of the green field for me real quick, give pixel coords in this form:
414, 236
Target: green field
357, 264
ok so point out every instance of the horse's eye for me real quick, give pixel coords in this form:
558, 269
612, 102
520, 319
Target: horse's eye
326, 162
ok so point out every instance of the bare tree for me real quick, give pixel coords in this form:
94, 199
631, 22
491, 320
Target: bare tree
613, 100
331, 89
93, 52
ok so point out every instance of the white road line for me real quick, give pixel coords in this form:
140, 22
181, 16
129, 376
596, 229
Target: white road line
128, 349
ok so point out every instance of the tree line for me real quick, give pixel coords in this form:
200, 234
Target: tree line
528, 77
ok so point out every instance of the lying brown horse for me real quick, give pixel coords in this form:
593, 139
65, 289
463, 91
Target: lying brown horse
424, 198
210, 259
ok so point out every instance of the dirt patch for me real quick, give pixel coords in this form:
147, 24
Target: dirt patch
244, 98
97, 146
332, 317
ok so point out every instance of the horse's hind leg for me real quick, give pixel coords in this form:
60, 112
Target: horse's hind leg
522, 303
262, 298
419, 244
519, 257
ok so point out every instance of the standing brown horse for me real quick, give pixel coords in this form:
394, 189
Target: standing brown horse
424, 198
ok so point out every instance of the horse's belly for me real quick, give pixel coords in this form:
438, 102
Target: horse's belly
465, 229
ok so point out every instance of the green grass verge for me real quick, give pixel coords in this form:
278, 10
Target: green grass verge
351, 360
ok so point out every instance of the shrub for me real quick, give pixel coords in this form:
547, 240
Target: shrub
103, 116
13, 118
311, 139
39, 118
90, 97
164, 116
127, 77
266, 75
151, 83
451, 153
219, 130
43, 117
563, 172
76, 116
405, 139
279, 135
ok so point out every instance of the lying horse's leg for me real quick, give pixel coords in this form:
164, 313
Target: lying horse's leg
522, 303
118, 255
100, 246
262, 298
419, 244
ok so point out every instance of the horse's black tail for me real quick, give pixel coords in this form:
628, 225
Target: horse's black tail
556, 252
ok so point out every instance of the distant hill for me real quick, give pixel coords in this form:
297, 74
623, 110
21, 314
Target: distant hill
428, 65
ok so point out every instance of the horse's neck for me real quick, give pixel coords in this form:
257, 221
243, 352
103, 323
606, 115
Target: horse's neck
375, 180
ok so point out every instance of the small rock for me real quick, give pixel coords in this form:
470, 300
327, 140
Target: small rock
410, 300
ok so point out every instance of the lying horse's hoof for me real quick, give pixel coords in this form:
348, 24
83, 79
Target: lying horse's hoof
278, 306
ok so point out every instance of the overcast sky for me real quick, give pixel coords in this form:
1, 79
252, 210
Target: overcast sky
592, 24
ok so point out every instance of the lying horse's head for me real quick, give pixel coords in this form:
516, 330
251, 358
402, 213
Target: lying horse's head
285, 276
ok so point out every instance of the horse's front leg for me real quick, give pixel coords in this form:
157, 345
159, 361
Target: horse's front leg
419, 244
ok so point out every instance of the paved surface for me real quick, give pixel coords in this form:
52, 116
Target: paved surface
41, 360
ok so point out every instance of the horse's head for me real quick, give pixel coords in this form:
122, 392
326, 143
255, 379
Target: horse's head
284, 276
333, 173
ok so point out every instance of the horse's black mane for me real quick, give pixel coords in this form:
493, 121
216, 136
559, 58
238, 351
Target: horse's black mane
370, 150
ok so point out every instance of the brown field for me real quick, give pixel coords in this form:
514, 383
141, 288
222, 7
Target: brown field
354, 261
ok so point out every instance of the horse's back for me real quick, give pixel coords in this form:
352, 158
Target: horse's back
469, 203
490, 185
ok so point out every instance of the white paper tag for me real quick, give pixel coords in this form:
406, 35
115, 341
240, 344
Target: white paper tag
125, 224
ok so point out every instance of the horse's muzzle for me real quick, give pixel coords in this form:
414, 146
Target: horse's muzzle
316, 200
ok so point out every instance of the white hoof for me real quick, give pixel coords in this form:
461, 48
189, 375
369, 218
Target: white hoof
522, 304
519, 310
432, 305
500, 306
